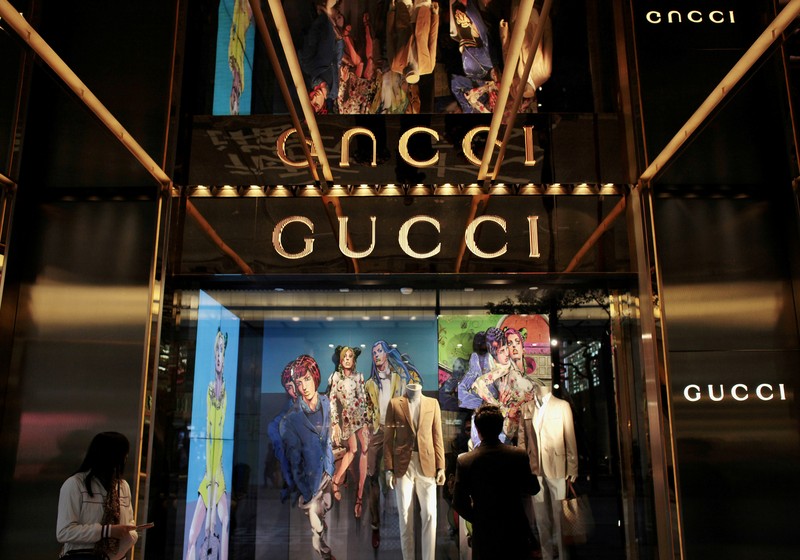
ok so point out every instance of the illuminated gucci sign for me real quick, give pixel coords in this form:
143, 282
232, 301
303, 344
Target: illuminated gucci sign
738, 392
402, 237
656, 17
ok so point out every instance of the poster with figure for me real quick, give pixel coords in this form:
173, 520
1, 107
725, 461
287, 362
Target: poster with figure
493, 359
234, 59
325, 387
206, 530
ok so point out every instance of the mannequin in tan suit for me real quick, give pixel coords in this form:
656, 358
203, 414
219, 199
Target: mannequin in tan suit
412, 28
414, 456
547, 434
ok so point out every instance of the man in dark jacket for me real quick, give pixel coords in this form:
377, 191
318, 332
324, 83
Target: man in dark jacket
491, 483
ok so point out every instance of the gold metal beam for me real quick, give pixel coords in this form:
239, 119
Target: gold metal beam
5, 181
723, 89
510, 64
604, 226
728, 83
278, 15
263, 30
534, 47
28, 34
209, 230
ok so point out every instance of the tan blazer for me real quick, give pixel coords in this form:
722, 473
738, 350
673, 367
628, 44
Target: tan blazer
416, 46
400, 435
552, 449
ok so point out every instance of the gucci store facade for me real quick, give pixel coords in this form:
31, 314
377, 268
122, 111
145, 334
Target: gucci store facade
231, 228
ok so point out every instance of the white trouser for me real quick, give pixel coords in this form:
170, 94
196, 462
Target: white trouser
425, 488
547, 508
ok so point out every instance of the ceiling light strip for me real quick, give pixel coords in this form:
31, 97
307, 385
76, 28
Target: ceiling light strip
728, 83
28, 34
517, 37
276, 9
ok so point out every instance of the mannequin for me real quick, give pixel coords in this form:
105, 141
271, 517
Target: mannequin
547, 434
390, 373
413, 29
414, 455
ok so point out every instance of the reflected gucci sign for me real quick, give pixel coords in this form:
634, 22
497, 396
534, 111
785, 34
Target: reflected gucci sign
402, 237
738, 392
405, 138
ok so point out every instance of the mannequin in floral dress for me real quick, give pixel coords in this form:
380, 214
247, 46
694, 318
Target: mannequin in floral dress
349, 419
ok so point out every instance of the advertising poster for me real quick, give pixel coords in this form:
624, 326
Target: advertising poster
208, 505
234, 60
320, 412
497, 359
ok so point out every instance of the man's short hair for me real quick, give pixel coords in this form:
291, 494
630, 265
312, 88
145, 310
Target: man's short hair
489, 421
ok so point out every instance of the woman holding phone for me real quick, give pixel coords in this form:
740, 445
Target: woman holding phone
95, 515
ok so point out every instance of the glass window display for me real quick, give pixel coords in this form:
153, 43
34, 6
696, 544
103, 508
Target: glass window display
338, 437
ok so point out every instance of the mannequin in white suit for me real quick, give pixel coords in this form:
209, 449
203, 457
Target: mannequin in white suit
547, 434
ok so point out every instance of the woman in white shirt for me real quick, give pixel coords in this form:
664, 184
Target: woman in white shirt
95, 515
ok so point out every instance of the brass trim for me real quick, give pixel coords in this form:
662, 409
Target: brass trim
722, 90
512, 114
282, 26
35, 41
208, 229
657, 429
604, 226
261, 23
515, 46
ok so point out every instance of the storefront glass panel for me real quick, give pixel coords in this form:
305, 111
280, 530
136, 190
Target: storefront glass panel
267, 498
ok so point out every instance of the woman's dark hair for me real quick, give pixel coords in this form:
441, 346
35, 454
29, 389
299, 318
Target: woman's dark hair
105, 459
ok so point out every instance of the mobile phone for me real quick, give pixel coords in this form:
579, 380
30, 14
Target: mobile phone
144, 526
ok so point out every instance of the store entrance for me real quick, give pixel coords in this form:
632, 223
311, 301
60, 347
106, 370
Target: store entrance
247, 377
